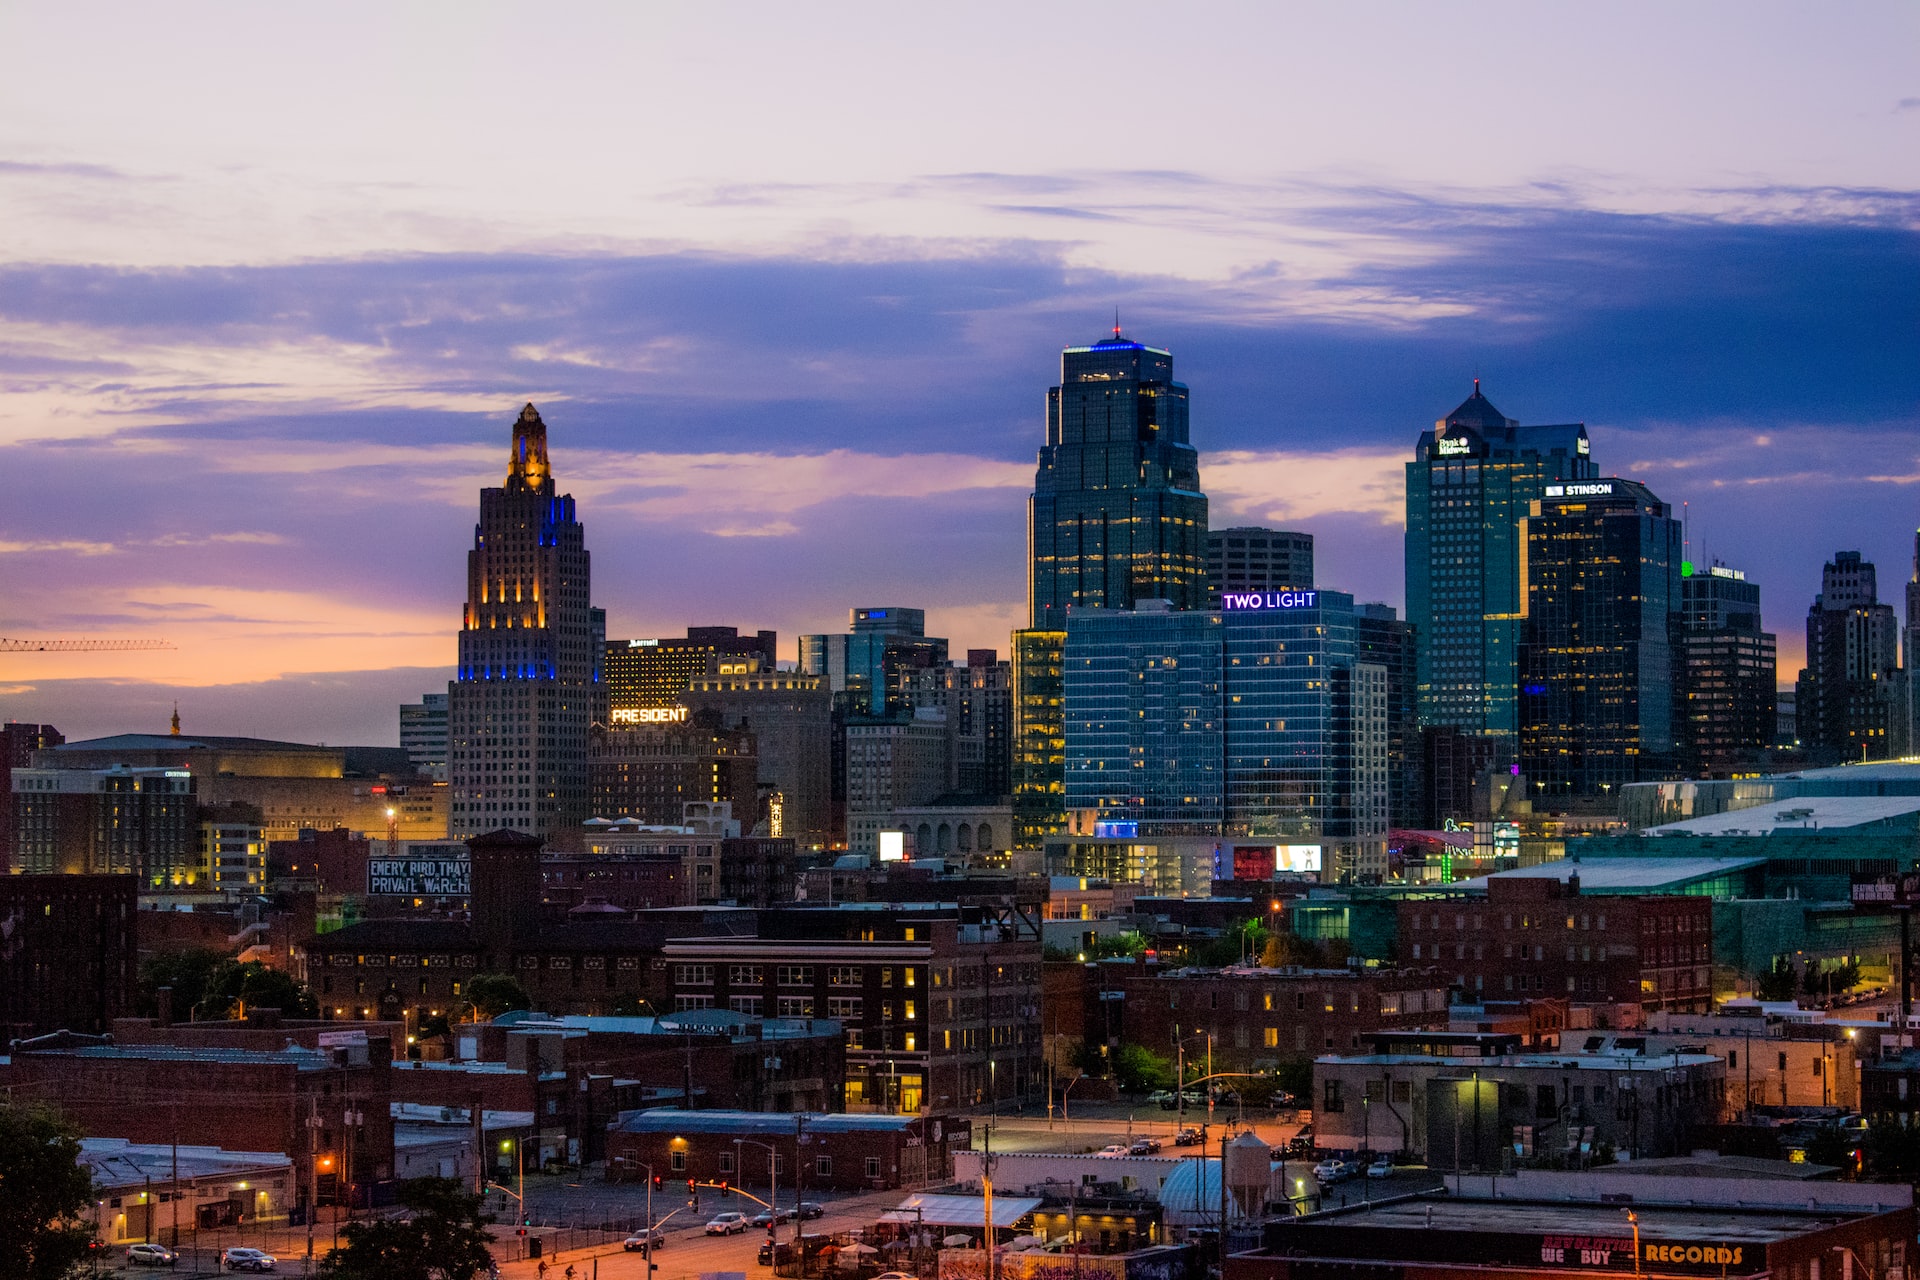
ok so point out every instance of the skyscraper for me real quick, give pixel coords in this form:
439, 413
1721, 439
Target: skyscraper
1913, 638
1727, 714
1471, 481
1602, 583
1250, 559
1039, 737
1387, 641
528, 685
1851, 696
1116, 515
651, 673
423, 732
874, 663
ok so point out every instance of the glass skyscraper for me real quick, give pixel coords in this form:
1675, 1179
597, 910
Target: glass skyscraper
1471, 481
1727, 710
531, 643
1597, 663
1258, 724
1116, 515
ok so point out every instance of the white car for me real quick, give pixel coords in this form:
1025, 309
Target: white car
1113, 1149
1380, 1168
238, 1259
151, 1255
1331, 1170
732, 1222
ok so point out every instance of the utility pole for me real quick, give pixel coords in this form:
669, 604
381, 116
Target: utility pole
986, 1196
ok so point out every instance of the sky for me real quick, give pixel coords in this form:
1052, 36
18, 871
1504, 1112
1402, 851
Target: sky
789, 284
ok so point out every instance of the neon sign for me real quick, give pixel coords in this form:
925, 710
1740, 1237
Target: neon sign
1452, 446
648, 715
1250, 601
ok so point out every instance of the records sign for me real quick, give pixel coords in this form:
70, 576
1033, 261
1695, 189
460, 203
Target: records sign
418, 877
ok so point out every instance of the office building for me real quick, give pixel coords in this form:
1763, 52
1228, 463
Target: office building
1039, 737
1117, 515
1258, 724
529, 680
1913, 639
894, 762
138, 822
1728, 716
18, 742
977, 700
652, 673
1382, 638
1250, 559
791, 719
651, 772
1601, 586
233, 852
1472, 480
423, 733
871, 668
1851, 696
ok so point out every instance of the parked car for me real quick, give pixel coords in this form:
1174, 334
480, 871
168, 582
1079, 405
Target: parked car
1331, 1170
151, 1255
1114, 1149
1165, 1097
643, 1237
1380, 1168
809, 1211
1187, 1137
730, 1223
1283, 1101
1194, 1098
768, 1217
239, 1259
1298, 1148
896, 1275
1144, 1146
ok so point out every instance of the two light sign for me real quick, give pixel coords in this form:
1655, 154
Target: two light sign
1254, 601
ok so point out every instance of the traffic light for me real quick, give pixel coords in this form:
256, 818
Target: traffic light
656, 1182
689, 1186
724, 1189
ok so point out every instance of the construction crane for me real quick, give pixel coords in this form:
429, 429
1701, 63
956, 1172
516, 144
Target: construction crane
77, 646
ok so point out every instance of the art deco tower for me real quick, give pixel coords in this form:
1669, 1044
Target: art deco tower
528, 685
1117, 514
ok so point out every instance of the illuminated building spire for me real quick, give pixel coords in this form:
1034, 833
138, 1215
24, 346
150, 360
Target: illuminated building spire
176, 720
527, 468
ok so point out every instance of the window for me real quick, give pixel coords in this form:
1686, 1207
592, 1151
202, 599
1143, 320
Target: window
1335, 1100
846, 1008
843, 975
1271, 1038
823, 1166
873, 1166
796, 1006
794, 975
726, 1162
677, 1161
693, 975
683, 1002
749, 1005
746, 975
911, 1011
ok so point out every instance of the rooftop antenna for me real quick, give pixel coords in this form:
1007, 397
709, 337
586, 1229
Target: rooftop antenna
1686, 531
1116, 324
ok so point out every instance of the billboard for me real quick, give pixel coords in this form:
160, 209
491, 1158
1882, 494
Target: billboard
1301, 859
893, 846
420, 873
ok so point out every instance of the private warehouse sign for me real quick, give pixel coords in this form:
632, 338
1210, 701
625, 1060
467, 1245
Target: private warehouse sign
418, 877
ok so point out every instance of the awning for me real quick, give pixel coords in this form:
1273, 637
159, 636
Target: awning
961, 1211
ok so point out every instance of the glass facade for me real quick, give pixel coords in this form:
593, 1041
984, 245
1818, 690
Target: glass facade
1116, 514
875, 664
1471, 482
1597, 664
1039, 738
1727, 713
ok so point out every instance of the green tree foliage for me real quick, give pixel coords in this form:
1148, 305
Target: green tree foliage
1777, 984
43, 1192
629, 1005
1139, 1068
236, 986
443, 1238
187, 972
1891, 1153
1831, 1147
492, 994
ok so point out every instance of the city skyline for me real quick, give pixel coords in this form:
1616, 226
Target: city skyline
253, 362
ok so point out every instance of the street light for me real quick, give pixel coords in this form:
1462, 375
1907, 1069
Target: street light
773, 1187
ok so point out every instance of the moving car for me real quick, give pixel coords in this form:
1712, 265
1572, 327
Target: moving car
809, 1211
768, 1217
730, 1223
1113, 1149
238, 1259
1381, 1167
151, 1255
643, 1237
1144, 1146
1187, 1137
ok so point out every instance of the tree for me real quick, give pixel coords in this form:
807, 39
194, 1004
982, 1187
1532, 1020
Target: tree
1287, 949
235, 986
43, 1191
444, 1238
186, 972
1778, 983
492, 994
1139, 1068
1891, 1154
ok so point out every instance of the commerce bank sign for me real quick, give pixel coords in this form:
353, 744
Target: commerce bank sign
1253, 601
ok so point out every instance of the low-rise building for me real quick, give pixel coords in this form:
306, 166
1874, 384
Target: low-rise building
160, 1192
829, 1152
1467, 1100
69, 961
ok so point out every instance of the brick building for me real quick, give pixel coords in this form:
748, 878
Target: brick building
240, 1099
18, 742
68, 952
652, 771
333, 861
826, 1152
940, 1002
1257, 1019
1541, 936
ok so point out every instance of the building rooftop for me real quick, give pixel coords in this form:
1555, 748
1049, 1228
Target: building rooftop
673, 1120
1615, 1062
1800, 813
1623, 875
187, 742
293, 1055
1423, 1215
117, 1163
